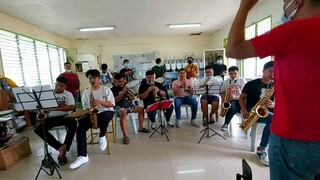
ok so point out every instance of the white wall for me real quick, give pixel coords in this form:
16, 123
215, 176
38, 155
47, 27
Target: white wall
266, 8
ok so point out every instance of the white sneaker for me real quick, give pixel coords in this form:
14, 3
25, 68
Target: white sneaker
224, 127
79, 161
153, 125
178, 123
103, 143
263, 157
195, 123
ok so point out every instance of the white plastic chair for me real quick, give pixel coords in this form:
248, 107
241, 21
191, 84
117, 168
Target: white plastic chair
132, 117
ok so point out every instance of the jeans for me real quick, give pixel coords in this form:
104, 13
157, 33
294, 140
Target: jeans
152, 114
232, 111
48, 123
178, 101
292, 159
266, 130
85, 124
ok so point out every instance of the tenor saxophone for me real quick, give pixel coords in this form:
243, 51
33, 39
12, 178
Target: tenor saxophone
226, 105
93, 111
258, 111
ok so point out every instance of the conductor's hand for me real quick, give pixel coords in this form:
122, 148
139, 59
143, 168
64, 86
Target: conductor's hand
245, 114
247, 4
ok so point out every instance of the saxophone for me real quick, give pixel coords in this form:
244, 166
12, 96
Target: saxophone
258, 111
226, 105
93, 111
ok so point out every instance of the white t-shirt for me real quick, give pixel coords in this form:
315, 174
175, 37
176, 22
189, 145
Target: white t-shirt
214, 84
103, 94
64, 99
237, 88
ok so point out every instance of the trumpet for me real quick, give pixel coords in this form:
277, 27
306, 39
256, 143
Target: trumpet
155, 95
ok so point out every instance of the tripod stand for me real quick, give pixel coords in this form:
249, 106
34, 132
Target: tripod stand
31, 100
159, 106
207, 129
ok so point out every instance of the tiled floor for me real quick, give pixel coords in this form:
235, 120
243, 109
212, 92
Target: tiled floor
182, 158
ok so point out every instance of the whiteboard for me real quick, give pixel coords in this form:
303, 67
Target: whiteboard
139, 63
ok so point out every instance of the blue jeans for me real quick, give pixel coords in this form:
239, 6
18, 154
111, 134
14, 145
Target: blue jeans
232, 111
178, 101
266, 130
292, 159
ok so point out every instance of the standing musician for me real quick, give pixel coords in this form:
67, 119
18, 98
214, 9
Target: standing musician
213, 99
55, 118
73, 85
149, 91
183, 91
124, 106
105, 75
128, 73
252, 92
104, 101
191, 69
231, 90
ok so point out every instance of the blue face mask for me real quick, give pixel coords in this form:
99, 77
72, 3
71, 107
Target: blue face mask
285, 19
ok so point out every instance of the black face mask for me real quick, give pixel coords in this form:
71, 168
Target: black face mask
189, 62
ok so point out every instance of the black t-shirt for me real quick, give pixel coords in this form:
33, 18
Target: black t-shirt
158, 70
125, 101
150, 98
219, 69
128, 74
253, 89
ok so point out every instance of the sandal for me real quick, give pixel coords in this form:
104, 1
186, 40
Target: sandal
126, 140
144, 130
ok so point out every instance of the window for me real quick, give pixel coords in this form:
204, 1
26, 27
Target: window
29, 62
252, 67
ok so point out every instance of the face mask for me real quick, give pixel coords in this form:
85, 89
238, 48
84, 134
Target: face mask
219, 61
285, 19
67, 70
159, 65
126, 65
189, 62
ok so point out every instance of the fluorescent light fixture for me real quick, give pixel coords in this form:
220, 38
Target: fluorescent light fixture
96, 29
184, 25
191, 171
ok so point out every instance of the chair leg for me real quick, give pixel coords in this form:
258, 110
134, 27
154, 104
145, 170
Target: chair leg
253, 136
134, 123
113, 130
187, 112
108, 144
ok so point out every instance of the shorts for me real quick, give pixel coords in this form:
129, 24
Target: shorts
211, 98
117, 110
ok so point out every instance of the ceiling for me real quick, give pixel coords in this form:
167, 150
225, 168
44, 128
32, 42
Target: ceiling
132, 18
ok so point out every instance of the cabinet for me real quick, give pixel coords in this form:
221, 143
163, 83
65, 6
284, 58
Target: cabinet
210, 55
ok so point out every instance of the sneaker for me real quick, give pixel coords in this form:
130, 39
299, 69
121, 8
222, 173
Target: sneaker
153, 126
79, 161
103, 143
178, 123
169, 124
263, 157
195, 123
224, 127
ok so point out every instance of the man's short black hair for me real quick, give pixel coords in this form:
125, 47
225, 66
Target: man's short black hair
104, 66
93, 73
66, 63
219, 56
119, 76
62, 79
181, 70
233, 68
149, 72
208, 67
158, 60
268, 65
126, 60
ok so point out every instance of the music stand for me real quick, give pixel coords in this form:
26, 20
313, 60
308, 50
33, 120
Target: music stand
38, 98
246, 171
160, 105
207, 129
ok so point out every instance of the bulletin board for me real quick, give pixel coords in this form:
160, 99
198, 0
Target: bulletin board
139, 63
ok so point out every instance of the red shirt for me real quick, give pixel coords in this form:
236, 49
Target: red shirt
296, 50
73, 82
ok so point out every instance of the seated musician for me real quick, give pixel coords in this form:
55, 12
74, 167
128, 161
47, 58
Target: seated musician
100, 97
124, 105
252, 92
208, 82
231, 90
183, 91
147, 92
55, 118
128, 73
